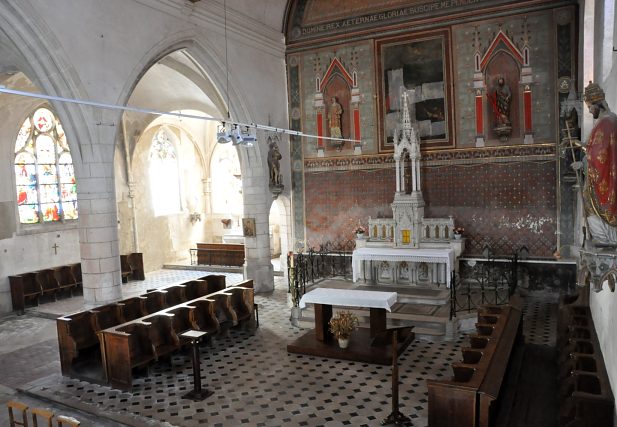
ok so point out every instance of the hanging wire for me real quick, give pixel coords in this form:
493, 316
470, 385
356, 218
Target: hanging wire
226, 61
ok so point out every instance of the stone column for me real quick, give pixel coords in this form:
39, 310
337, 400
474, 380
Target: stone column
98, 219
257, 265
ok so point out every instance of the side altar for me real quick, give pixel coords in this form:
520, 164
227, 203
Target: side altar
408, 248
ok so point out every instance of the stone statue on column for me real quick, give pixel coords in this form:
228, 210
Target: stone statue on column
274, 165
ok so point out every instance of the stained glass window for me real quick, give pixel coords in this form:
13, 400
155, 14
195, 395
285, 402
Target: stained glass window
44, 174
164, 181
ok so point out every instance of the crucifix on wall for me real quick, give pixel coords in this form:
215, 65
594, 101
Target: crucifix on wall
55, 248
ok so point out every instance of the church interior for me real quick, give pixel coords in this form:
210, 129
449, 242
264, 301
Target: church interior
308, 212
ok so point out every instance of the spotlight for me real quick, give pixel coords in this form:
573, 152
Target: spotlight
222, 134
236, 136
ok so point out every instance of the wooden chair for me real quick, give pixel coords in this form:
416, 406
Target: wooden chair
67, 421
17, 406
43, 413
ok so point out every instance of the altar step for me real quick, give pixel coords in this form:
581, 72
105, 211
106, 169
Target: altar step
425, 308
429, 321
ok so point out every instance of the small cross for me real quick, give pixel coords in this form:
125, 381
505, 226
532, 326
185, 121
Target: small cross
55, 246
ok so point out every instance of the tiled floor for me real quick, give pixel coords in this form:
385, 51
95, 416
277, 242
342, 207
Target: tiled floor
255, 381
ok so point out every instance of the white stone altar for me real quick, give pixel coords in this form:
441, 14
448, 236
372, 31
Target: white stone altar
406, 264
408, 248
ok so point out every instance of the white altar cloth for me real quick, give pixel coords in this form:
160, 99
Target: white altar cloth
435, 256
349, 298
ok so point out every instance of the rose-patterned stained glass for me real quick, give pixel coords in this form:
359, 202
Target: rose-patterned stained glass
44, 173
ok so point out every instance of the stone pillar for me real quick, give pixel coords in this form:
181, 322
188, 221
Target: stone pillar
98, 218
257, 265
98, 235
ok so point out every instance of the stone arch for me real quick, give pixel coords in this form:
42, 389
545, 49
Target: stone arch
29, 37
252, 159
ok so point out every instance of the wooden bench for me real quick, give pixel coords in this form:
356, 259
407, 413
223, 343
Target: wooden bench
585, 395
78, 342
164, 327
468, 398
24, 288
132, 267
227, 254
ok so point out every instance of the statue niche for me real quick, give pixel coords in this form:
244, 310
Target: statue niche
502, 84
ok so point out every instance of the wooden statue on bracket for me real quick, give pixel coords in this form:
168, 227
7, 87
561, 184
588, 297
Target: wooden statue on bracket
500, 100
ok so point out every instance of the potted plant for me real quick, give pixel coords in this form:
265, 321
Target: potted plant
360, 232
458, 232
342, 326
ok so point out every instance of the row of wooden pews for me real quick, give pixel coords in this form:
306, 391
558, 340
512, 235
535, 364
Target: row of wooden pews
585, 396
469, 398
227, 254
139, 330
27, 288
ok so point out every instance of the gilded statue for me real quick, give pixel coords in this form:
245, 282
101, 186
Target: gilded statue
334, 119
600, 191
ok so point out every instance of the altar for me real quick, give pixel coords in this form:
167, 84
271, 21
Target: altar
417, 265
408, 248
368, 345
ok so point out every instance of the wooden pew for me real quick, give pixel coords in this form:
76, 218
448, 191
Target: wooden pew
127, 347
162, 336
48, 283
175, 295
65, 279
153, 301
164, 327
203, 318
132, 267
130, 309
468, 398
24, 288
220, 254
75, 334
585, 395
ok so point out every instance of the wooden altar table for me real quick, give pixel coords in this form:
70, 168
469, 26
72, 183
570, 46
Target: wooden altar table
442, 260
366, 345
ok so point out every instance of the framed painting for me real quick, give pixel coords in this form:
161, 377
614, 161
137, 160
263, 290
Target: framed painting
248, 227
419, 64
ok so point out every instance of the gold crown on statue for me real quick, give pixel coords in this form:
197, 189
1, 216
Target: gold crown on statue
593, 93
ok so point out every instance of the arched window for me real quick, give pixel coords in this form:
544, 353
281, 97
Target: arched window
164, 181
44, 174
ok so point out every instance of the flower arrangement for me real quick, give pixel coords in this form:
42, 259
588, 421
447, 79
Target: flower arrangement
360, 230
458, 230
343, 324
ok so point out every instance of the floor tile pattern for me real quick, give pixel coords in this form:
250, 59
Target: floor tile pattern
257, 383
540, 318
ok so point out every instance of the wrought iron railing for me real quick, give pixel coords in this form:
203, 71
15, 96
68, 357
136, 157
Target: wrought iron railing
332, 259
484, 281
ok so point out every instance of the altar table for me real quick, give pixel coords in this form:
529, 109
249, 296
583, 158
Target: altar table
325, 298
441, 259
366, 345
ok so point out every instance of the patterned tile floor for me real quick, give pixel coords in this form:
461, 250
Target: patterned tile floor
255, 381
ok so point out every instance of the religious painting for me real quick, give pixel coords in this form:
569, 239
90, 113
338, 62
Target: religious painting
248, 227
420, 65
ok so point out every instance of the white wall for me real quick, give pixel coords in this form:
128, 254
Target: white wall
604, 304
